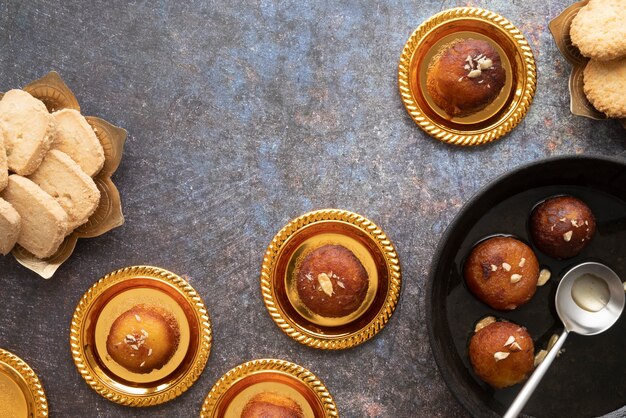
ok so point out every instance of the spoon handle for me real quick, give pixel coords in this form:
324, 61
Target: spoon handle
524, 395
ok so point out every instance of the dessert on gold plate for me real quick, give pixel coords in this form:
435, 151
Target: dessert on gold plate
502, 272
465, 76
562, 226
143, 338
269, 404
502, 354
331, 281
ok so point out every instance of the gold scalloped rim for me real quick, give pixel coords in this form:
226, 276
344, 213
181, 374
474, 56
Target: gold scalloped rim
452, 136
79, 319
255, 366
288, 326
31, 379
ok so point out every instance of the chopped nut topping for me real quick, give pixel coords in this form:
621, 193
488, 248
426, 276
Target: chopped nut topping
506, 266
134, 347
494, 267
325, 283
522, 262
149, 352
484, 322
474, 74
544, 276
144, 333
586, 222
340, 284
575, 223
138, 318
499, 355
460, 79
563, 219
515, 347
142, 363
516, 278
568, 236
484, 63
509, 341
309, 276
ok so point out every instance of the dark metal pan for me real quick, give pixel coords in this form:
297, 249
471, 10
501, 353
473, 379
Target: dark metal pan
589, 378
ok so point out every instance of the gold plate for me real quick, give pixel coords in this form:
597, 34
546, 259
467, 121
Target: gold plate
21, 393
367, 242
560, 27
114, 294
507, 110
55, 94
233, 391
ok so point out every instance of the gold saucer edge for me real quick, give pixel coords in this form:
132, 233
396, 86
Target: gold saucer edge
78, 348
255, 366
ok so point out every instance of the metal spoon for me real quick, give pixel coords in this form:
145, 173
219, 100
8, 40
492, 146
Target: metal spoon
589, 300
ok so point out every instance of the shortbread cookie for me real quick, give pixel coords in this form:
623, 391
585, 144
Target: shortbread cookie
10, 224
76, 138
4, 167
44, 222
605, 86
599, 29
29, 130
60, 177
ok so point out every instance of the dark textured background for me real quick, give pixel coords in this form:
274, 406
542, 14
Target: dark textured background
242, 116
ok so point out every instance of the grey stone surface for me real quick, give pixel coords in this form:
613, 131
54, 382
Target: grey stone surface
242, 116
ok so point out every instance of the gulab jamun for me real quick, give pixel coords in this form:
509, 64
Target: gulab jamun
561, 227
268, 404
502, 354
331, 281
502, 272
465, 76
144, 338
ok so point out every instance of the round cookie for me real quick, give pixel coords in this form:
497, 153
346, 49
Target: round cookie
465, 77
598, 30
268, 404
502, 354
502, 272
562, 227
331, 281
143, 338
604, 84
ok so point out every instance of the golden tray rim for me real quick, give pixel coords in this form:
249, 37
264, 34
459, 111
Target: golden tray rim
56, 95
236, 374
560, 28
32, 382
527, 75
203, 349
287, 324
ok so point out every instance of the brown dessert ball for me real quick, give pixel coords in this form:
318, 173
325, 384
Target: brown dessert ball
562, 227
465, 76
268, 404
502, 272
502, 354
331, 281
143, 338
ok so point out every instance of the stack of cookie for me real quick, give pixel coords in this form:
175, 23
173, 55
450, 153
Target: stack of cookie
599, 33
47, 161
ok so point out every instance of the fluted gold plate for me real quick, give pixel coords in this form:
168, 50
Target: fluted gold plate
560, 27
367, 242
56, 95
114, 294
507, 110
21, 392
234, 390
